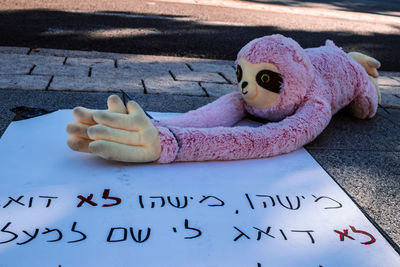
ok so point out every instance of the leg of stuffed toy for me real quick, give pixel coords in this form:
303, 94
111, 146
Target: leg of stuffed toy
365, 105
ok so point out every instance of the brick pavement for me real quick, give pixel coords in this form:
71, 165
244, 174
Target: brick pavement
66, 70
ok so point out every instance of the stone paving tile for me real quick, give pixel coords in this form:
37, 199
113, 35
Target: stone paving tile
104, 84
392, 115
226, 68
24, 82
390, 101
211, 67
230, 76
388, 81
19, 68
196, 76
76, 53
217, 89
389, 90
152, 66
61, 70
171, 87
14, 50
78, 61
21, 59
395, 75
130, 72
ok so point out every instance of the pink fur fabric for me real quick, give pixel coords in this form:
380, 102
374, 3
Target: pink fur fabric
317, 82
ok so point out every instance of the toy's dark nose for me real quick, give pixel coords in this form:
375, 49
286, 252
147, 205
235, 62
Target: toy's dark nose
244, 84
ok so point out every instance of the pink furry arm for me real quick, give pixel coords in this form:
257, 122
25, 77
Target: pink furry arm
231, 143
169, 145
225, 111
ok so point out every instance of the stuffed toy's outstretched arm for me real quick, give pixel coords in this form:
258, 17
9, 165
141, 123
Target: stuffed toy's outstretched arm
225, 111
231, 143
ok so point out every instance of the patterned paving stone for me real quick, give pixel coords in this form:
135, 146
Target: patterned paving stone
23, 59
388, 81
75, 61
24, 82
130, 72
14, 50
196, 76
215, 89
19, 68
105, 84
61, 70
390, 101
169, 86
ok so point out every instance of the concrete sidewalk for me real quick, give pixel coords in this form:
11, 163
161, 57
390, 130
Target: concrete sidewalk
363, 156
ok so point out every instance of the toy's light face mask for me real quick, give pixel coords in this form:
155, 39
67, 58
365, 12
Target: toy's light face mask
260, 83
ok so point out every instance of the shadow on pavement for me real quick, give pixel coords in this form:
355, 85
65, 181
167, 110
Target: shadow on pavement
168, 35
362, 6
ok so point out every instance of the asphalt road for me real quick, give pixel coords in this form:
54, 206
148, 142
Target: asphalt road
211, 29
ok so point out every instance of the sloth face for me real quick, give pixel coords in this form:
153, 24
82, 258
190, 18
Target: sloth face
260, 83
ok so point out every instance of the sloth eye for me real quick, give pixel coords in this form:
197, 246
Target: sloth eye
265, 78
239, 73
269, 80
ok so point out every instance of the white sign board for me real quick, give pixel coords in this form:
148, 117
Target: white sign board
63, 208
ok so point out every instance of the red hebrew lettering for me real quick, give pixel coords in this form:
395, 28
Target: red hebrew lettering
343, 234
372, 238
87, 200
106, 195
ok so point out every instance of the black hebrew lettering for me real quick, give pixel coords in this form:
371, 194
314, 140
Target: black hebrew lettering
249, 200
283, 234
4, 230
306, 231
13, 200
48, 200
270, 198
139, 239
31, 236
110, 234
141, 201
218, 203
290, 205
158, 197
193, 229
79, 232
178, 203
242, 234
52, 230
260, 232
338, 206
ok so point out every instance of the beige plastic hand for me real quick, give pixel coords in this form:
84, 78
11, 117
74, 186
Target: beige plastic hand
370, 64
124, 137
79, 139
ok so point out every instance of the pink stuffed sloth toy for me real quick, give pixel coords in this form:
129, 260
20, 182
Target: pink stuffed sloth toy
297, 90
